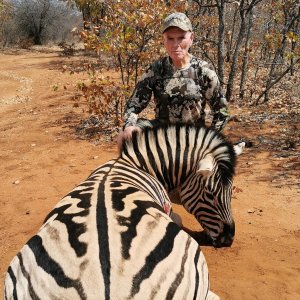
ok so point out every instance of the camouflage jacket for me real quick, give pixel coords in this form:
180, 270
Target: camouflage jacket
180, 95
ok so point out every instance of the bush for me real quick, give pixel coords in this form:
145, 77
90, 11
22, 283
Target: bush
39, 21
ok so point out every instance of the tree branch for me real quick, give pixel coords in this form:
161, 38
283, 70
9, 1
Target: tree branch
276, 81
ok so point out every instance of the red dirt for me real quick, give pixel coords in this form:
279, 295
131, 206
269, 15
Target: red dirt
42, 160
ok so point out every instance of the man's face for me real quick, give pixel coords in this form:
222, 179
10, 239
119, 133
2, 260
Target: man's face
177, 42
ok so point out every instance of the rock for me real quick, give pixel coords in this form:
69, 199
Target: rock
255, 209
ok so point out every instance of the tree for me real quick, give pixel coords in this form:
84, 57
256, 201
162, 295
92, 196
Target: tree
246, 53
245, 9
92, 11
227, 25
286, 16
6, 24
37, 19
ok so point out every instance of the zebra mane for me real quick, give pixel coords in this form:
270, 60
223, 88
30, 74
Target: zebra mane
169, 151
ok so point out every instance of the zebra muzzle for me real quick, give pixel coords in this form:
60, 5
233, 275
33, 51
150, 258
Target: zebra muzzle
225, 239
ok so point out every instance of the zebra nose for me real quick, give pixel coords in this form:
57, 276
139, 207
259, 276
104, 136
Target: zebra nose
225, 239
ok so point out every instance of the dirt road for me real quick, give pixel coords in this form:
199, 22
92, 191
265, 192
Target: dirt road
41, 160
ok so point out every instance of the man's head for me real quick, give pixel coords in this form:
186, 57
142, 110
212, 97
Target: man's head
179, 20
178, 37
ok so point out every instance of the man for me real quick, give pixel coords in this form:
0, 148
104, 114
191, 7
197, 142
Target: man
180, 83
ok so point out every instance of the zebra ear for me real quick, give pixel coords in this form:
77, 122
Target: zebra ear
206, 166
239, 148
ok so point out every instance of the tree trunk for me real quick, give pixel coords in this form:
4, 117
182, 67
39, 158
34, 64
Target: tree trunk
221, 37
239, 41
293, 46
245, 9
246, 54
290, 21
229, 46
86, 13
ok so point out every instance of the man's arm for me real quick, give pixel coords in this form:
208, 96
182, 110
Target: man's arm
139, 99
216, 100
220, 111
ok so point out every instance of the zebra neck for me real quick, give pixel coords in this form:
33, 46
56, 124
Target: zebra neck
171, 174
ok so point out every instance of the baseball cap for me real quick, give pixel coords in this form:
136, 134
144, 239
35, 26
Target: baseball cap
179, 20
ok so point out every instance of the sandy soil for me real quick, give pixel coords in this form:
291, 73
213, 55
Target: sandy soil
41, 159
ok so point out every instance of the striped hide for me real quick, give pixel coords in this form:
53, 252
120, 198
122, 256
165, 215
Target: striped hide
112, 236
200, 163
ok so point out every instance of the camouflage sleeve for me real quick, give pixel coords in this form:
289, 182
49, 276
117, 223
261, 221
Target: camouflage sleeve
139, 99
216, 100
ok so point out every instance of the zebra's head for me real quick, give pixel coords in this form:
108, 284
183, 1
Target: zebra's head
197, 160
207, 192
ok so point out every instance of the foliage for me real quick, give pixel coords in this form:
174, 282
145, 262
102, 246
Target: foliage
37, 21
5, 12
260, 43
6, 15
91, 10
3, 5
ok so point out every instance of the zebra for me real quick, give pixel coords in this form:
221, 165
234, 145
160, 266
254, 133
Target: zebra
112, 236
198, 161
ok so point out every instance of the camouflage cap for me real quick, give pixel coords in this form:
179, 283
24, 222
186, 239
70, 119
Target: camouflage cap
179, 20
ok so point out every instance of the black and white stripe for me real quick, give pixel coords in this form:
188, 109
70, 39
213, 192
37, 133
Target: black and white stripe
198, 161
112, 236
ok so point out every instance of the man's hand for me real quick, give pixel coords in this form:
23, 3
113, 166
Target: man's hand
127, 132
125, 135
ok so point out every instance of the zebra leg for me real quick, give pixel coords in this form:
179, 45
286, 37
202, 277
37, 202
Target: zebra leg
174, 196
